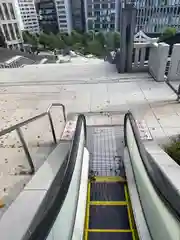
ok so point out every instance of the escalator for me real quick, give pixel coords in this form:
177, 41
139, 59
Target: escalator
108, 211
108, 203
109, 214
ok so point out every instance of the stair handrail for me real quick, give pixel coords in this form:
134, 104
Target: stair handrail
162, 185
44, 220
17, 128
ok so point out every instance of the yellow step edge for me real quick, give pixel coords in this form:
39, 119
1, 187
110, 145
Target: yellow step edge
108, 203
87, 211
129, 212
109, 230
109, 179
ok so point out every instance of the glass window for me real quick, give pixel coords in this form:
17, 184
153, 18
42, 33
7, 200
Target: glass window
12, 31
62, 21
96, 6
6, 32
17, 30
97, 26
113, 5
11, 10
89, 14
105, 25
112, 26
6, 11
62, 16
1, 14
105, 5
97, 13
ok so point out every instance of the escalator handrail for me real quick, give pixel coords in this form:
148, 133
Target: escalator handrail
162, 185
44, 223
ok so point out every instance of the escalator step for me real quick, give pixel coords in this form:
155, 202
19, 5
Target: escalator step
107, 191
108, 217
110, 236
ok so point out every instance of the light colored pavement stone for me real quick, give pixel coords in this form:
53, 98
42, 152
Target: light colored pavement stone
81, 87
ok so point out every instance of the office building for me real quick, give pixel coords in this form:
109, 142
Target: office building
64, 15
28, 14
100, 14
154, 16
78, 15
47, 16
9, 25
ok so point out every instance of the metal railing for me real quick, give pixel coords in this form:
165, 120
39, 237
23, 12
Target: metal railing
162, 185
17, 128
44, 219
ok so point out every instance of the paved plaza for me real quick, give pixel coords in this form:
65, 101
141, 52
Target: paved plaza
103, 95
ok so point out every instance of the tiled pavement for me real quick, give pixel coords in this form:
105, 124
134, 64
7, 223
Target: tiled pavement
149, 100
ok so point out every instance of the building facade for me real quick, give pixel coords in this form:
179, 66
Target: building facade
154, 16
78, 15
64, 15
9, 25
28, 14
47, 16
100, 14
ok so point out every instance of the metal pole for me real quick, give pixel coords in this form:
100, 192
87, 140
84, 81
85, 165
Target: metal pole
20, 134
52, 127
64, 112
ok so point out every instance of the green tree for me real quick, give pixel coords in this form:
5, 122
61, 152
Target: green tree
67, 39
55, 42
168, 32
95, 47
76, 37
100, 38
44, 39
30, 38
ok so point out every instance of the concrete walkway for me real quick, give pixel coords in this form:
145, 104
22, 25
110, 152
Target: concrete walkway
103, 96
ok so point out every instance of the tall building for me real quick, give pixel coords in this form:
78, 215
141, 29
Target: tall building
29, 15
54, 15
64, 15
46, 10
78, 15
9, 25
155, 16
100, 14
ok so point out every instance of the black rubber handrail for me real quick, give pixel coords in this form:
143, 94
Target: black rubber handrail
42, 225
162, 185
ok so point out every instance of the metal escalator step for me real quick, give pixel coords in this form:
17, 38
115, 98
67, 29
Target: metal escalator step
108, 217
107, 191
110, 236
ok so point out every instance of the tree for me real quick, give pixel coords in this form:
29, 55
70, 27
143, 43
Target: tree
67, 39
55, 42
95, 48
100, 38
44, 39
76, 37
168, 32
30, 38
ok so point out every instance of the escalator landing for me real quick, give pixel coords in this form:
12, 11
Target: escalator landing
108, 211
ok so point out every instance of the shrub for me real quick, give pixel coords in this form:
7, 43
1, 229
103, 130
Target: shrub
173, 149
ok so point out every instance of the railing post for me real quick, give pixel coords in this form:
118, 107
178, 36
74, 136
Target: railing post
20, 134
52, 127
64, 112
174, 69
158, 60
